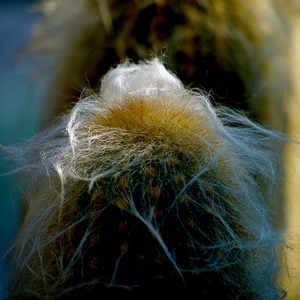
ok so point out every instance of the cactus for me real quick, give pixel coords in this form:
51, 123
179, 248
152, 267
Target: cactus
147, 189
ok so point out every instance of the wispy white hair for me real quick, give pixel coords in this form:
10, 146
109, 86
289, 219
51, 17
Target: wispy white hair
146, 188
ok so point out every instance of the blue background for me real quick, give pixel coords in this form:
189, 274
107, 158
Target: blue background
20, 110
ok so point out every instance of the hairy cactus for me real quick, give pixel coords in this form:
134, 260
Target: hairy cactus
146, 189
